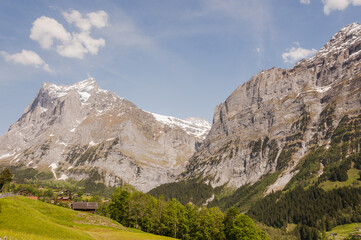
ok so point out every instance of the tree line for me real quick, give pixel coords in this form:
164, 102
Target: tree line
170, 218
313, 210
185, 191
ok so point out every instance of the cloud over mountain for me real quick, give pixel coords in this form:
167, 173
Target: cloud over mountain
294, 54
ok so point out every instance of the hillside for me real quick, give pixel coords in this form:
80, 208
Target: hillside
23, 218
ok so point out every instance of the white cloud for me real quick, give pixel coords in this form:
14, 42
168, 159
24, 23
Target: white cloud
94, 19
305, 2
295, 54
331, 5
52, 35
27, 58
91, 44
72, 49
45, 30
79, 45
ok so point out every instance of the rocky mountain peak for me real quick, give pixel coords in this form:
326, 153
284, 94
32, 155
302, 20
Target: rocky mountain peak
84, 85
88, 83
271, 121
84, 88
346, 41
78, 130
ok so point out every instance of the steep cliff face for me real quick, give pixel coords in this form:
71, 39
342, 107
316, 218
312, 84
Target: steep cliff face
270, 122
78, 129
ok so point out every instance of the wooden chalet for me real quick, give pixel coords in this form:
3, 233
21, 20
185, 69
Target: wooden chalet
85, 206
64, 199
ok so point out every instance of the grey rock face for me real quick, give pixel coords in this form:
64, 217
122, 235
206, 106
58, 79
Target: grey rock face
268, 123
73, 130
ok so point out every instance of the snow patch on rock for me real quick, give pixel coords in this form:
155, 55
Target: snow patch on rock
84, 89
63, 177
7, 155
53, 166
193, 126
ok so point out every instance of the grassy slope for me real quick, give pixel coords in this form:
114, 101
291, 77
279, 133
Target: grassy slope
353, 178
22, 218
275, 233
343, 231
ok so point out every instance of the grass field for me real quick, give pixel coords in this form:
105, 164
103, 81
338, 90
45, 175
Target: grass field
23, 218
353, 177
343, 231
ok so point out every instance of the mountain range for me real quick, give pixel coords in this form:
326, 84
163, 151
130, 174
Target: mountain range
267, 126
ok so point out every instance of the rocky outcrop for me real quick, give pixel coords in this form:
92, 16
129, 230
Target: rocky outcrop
75, 130
268, 123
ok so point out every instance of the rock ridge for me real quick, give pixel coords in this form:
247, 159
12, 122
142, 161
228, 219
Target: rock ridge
269, 122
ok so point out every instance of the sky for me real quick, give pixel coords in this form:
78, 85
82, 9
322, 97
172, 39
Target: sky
178, 58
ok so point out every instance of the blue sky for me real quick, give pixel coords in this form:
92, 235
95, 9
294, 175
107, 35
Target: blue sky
172, 57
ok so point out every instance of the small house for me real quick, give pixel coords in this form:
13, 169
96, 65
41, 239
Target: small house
85, 206
64, 199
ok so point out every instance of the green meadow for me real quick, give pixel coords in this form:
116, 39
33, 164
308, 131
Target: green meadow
353, 179
23, 218
342, 231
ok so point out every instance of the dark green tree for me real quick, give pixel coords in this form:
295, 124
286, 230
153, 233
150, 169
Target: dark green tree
119, 206
80, 194
209, 224
5, 177
244, 228
172, 218
48, 193
231, 214
143, 212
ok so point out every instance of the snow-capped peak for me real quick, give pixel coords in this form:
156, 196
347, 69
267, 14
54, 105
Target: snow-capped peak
343, 39
200, 122
85, 85
84, 88
193, 126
